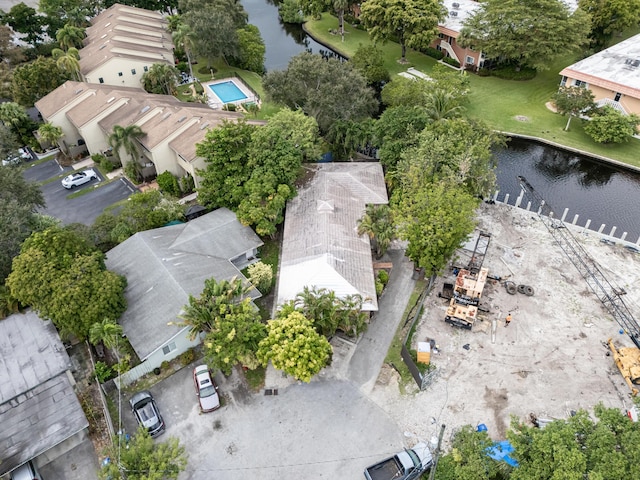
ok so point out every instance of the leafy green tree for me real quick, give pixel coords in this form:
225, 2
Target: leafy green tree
377, 224
18, 203
226, 151
535, 32
144, 459
263, 206
50, 133
369, 61
411, 23
32, 81
348, 137
314, 7
251, 48
328, 90
468, 458
68, 62
572, 101
610, 17
293, 346
291, 12
8, 142
396, 130
24, 19
9, 52
161, 78
70, 36
433, 217
184, 37
405, 92
63, 277
62, 12
15, 118
125, 138
608, 125
261, 276
107, 332
578, 447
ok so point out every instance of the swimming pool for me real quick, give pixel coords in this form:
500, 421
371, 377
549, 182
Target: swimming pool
227, 92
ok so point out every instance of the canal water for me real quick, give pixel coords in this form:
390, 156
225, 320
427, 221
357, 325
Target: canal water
593, 190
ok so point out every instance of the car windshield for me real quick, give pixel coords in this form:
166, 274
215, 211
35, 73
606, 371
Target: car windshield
207, 391
147, 414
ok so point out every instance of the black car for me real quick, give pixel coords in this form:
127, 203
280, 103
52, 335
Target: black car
146, 412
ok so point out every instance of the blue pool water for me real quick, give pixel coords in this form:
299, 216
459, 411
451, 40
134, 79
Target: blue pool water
227, 92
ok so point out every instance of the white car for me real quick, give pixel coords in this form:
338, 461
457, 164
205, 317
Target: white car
206, 389
78, 178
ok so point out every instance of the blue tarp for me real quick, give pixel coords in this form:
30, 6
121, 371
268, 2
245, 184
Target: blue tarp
500, 452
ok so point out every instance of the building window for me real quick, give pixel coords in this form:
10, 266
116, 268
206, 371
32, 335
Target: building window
133, 71
146, 69
438, 47
167, 349
119, 74
563, 82
580, 83
441, 35
101, 80
469, 60
617, 97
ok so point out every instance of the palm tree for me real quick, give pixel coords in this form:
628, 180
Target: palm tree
161, 78
70, 36
321, 307
442, 105
340, 6
50, 133
68, 61
108, 332
184, 37
377, 223
125, 138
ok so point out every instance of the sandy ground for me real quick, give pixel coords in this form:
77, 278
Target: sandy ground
549, 361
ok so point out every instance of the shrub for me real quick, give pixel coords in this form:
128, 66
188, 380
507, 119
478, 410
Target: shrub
103, 372
451, 61
107, 165
132, 173
379, 287
434, 53
608, 125
509, 72
230, 107
168, 184
204, 70
124, 365
164, 366
187, 184
383, 276
187, 357
98, 158
183, 67
261, 276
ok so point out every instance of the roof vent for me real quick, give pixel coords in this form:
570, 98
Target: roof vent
111, 99
631, 63
325, 206
166, 115
108, 23
145, 109
182, 119
204, 125
453, 13
104, 35
102, 46
456, 5
78, 91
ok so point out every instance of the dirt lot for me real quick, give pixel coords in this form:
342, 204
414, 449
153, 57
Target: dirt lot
549, 361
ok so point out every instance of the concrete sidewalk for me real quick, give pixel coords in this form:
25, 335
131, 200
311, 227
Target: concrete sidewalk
372, 348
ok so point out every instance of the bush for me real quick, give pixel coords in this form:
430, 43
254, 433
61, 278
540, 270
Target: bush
230, 107
183, 67
509, 72
198, 88
187, 184
164, 366
383, 276
608, 125
434, 53
169, 184
261, 276
379, 287
187, 357
204, 70
131, 172
451, 62
103, 372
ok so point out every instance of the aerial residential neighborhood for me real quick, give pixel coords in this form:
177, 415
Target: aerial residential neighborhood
214, 267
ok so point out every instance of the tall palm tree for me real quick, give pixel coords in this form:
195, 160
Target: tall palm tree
68, 61
377, 224
50, 133
340, 6
184, 37
70, 36
161, 78
124, 138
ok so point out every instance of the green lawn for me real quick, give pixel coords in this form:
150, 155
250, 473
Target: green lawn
507, 106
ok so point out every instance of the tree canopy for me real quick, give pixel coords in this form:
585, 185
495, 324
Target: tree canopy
64, 278
608, 125
32, 81
412, 23
293, 346
571, 101
326, 89
161, 78
609, 17
525, 32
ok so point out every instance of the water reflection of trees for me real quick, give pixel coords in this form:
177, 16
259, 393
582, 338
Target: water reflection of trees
556, 164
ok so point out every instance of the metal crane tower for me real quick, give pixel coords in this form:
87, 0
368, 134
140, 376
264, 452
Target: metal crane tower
609, 295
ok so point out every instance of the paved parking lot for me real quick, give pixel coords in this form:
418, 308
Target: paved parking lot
81, 209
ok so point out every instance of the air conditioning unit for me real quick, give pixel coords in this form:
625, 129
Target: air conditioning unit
455, 5
453, 13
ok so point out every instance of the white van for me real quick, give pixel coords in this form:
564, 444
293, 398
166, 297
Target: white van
27, 471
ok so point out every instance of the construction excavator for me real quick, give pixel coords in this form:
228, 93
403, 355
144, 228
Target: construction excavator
628, 362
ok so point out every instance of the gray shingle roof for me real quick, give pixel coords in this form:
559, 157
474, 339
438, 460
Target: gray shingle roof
321, 246
39, 408
165, 265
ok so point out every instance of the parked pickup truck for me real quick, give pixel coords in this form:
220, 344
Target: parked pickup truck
406, 465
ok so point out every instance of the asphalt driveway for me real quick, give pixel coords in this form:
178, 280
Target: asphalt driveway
78, 209
325, 429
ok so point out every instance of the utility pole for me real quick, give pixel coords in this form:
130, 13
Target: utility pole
436, 455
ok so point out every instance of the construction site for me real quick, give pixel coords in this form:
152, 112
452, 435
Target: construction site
567, 292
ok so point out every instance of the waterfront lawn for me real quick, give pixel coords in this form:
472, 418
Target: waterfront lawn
507, 106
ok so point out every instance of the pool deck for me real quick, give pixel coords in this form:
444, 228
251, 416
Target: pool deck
216, 103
